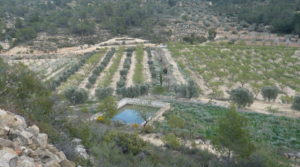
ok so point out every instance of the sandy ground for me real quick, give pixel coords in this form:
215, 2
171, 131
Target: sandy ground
175, 72
147, 73
129, 81
117, 75
156, 139
54, 74
260, 106
102, 74
115, 42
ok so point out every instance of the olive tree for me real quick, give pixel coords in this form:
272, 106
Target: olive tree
75, 95
102, 93
270, 92
242, 97
296, 103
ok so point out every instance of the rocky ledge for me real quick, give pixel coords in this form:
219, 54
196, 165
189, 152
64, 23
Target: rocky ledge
22, 146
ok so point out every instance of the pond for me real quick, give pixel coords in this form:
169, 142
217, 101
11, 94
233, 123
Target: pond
130, 114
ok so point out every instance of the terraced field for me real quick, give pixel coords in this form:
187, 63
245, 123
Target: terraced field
132, 68
219, 67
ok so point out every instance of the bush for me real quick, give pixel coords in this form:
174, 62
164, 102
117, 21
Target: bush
102, 93
134, 91
296, 103
187, 91
270, 92
172, 141
242, 97
127, 143
159, 90
76, 96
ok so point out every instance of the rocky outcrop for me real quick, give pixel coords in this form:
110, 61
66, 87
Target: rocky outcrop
23, 146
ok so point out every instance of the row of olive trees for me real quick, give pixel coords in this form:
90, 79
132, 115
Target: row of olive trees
126, 66
134, 91
96, 72
151, 64
189, 90
57, 81
243, 97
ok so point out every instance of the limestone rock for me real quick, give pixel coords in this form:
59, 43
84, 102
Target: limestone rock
22, 146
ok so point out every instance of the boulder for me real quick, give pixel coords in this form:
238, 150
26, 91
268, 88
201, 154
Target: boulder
34, 130
42, 140
7, 157
24, 161
67, 163
6, 143
81, 151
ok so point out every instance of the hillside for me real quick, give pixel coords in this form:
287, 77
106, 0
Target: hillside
50, 25
149, 83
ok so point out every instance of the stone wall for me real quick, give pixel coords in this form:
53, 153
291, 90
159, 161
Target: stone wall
23, 146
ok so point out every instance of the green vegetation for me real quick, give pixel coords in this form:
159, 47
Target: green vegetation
172, 141
232, 135
138, 76
85, 70
187, 91
108, 107
283, 16
223, 65
270, 92
76, 96
99, 69
201, 120
242, 97
78, 18
109, 74
296, 103
102, 93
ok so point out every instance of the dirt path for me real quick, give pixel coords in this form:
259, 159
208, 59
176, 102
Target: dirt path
147, 73
102, 74
175, 72
259, 106
55, 73
129, 81
156, 139
117, 75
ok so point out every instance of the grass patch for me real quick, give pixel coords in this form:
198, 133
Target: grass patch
138, 76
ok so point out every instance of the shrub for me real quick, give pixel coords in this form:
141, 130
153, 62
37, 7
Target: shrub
270, 92
232, 135
127, 143
187, 91
148, 129
172, 141
287, 99
159, 90
108, 107
242, 97
76, 96
296, 103
102, 93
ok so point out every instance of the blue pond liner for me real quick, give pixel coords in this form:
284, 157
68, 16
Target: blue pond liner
129, 116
